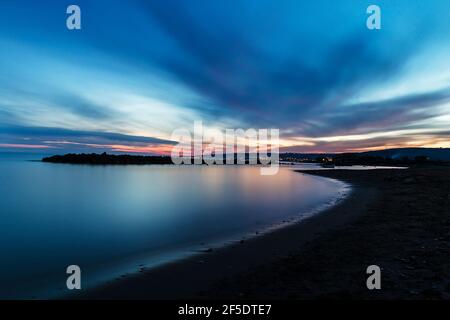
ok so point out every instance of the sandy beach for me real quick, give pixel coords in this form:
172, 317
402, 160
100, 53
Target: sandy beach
397, 219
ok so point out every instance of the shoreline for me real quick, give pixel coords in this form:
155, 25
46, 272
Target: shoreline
405, 230
197, 273
396, 219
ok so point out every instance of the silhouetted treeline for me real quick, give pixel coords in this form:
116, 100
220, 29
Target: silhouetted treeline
348, 159
104, 158
386, 156
344, 159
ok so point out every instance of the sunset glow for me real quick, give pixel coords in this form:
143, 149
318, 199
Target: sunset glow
132, 76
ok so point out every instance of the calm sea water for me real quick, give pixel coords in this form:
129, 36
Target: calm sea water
109, 220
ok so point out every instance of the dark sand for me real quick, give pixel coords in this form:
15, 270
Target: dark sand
397, 219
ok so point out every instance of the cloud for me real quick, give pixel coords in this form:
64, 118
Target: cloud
394, 113
83, 107
76, 140
291, 65
435, 139
227, 67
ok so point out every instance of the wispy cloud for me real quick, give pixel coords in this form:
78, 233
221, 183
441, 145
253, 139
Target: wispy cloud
144, 68
73, 140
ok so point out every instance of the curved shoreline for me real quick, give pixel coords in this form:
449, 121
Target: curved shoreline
404, 231
185, 278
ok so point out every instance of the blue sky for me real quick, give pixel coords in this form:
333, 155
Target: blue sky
140, 69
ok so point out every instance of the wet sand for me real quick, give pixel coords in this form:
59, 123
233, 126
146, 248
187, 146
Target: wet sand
397, 219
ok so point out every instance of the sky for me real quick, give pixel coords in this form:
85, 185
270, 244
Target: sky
139, 69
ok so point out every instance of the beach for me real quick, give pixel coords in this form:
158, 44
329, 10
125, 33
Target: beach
396, 219
404, 229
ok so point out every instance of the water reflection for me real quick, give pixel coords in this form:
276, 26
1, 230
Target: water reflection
54, 215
